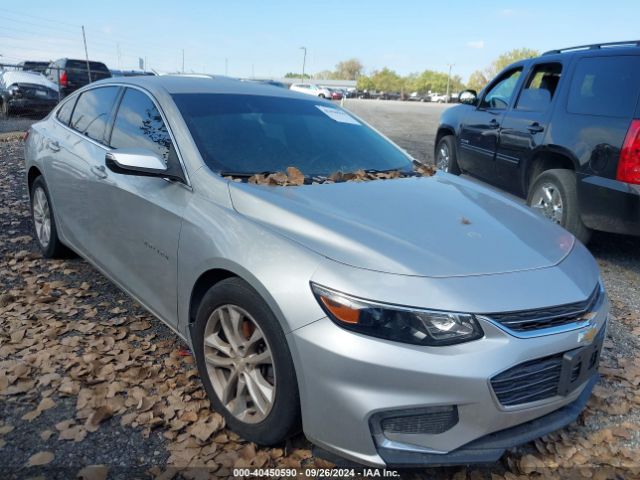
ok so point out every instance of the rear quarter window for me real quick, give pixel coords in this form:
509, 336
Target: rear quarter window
605, 86
64, 112
92, 112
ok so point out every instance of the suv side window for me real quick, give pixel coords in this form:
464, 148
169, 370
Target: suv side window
540, 87
499, 95
92, 112
64, 113
139, 124
606, 86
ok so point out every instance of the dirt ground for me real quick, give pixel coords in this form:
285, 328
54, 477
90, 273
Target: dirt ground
92, 385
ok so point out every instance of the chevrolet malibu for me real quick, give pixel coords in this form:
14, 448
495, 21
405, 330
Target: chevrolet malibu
418, 320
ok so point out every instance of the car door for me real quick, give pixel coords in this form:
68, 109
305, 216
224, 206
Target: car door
525, 125
75, 146
135, 236
479, 130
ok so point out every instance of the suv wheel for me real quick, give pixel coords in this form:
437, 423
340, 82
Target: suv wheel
245, 364
554, 195
44, 222
446, 158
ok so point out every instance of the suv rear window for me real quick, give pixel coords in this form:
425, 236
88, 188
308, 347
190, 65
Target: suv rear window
606, 86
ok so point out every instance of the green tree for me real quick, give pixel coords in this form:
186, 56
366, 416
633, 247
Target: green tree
348, 70
477, 81
386, 80
296, 75
508, 58
365, 83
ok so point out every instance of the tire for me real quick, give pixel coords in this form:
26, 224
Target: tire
446, 146
283, 418
50, 245
322, 95
551, 186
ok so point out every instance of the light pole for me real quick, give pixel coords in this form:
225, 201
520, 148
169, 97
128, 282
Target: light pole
304, 61
449, 80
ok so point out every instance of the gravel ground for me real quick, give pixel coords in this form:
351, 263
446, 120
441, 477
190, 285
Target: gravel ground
19, 123
131, 451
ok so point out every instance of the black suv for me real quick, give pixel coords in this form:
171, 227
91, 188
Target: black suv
70, 74
561, 130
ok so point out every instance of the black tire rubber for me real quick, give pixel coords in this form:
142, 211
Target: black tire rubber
454, 168
284, 419
565, 182
55, 249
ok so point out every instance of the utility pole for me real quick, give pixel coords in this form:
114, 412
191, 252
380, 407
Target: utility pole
226, 66
449, 80
86, 53
183, 60
304, 61
253, 72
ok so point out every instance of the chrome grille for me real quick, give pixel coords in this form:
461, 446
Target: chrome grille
528, 320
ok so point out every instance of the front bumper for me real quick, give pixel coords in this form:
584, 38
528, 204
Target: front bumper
346, 379
609, 205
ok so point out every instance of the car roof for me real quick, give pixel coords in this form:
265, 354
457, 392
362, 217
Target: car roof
178, 84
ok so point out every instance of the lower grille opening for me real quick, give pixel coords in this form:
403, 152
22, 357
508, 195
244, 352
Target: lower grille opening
427, 420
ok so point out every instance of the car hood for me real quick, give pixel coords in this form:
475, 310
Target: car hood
439, 226
11, 77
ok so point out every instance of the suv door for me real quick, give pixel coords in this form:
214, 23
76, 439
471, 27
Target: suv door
479, 129
524, 126
135, 236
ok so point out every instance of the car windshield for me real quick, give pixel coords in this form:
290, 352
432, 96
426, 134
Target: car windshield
247, 134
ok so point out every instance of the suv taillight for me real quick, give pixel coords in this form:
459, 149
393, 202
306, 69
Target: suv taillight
629, 164
63, 78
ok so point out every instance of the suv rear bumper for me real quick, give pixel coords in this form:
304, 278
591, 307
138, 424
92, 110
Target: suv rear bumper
609, 205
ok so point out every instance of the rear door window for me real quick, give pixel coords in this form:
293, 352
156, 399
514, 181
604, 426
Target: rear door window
139, 124
605, 86
540, 88
64, 113
92, 112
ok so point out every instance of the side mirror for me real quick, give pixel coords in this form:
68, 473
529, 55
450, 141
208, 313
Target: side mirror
143, 163
468, 97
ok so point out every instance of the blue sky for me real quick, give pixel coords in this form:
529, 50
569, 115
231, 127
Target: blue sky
263, 38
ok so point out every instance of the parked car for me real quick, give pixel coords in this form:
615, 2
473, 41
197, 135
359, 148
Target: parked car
72, 74
26, 92
418, 97
336, 93
33, 66
311, 89
439, 98
399, 339
561, 130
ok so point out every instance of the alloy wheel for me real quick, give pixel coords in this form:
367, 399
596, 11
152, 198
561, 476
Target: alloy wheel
547, 201
443, 158
240, 363
42, 216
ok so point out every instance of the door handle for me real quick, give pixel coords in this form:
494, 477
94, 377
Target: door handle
99, 171
535, 127
493, 123
53, 145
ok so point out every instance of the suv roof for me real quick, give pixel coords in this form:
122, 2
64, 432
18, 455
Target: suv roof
596, 46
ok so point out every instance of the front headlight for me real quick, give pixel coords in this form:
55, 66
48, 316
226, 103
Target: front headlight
397, 323
14, 90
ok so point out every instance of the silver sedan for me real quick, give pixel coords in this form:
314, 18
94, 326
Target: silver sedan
398, 322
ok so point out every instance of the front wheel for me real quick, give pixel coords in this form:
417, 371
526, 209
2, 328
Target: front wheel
446, 158
554, 195
245, 364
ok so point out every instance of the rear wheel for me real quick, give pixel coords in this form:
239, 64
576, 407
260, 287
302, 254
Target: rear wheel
554, 195
245, 364
44, 222
446, 158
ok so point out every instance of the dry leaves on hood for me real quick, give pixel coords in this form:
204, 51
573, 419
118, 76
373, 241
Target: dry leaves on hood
294, 177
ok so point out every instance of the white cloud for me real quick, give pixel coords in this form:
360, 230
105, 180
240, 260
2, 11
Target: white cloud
507, 12
476, 44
